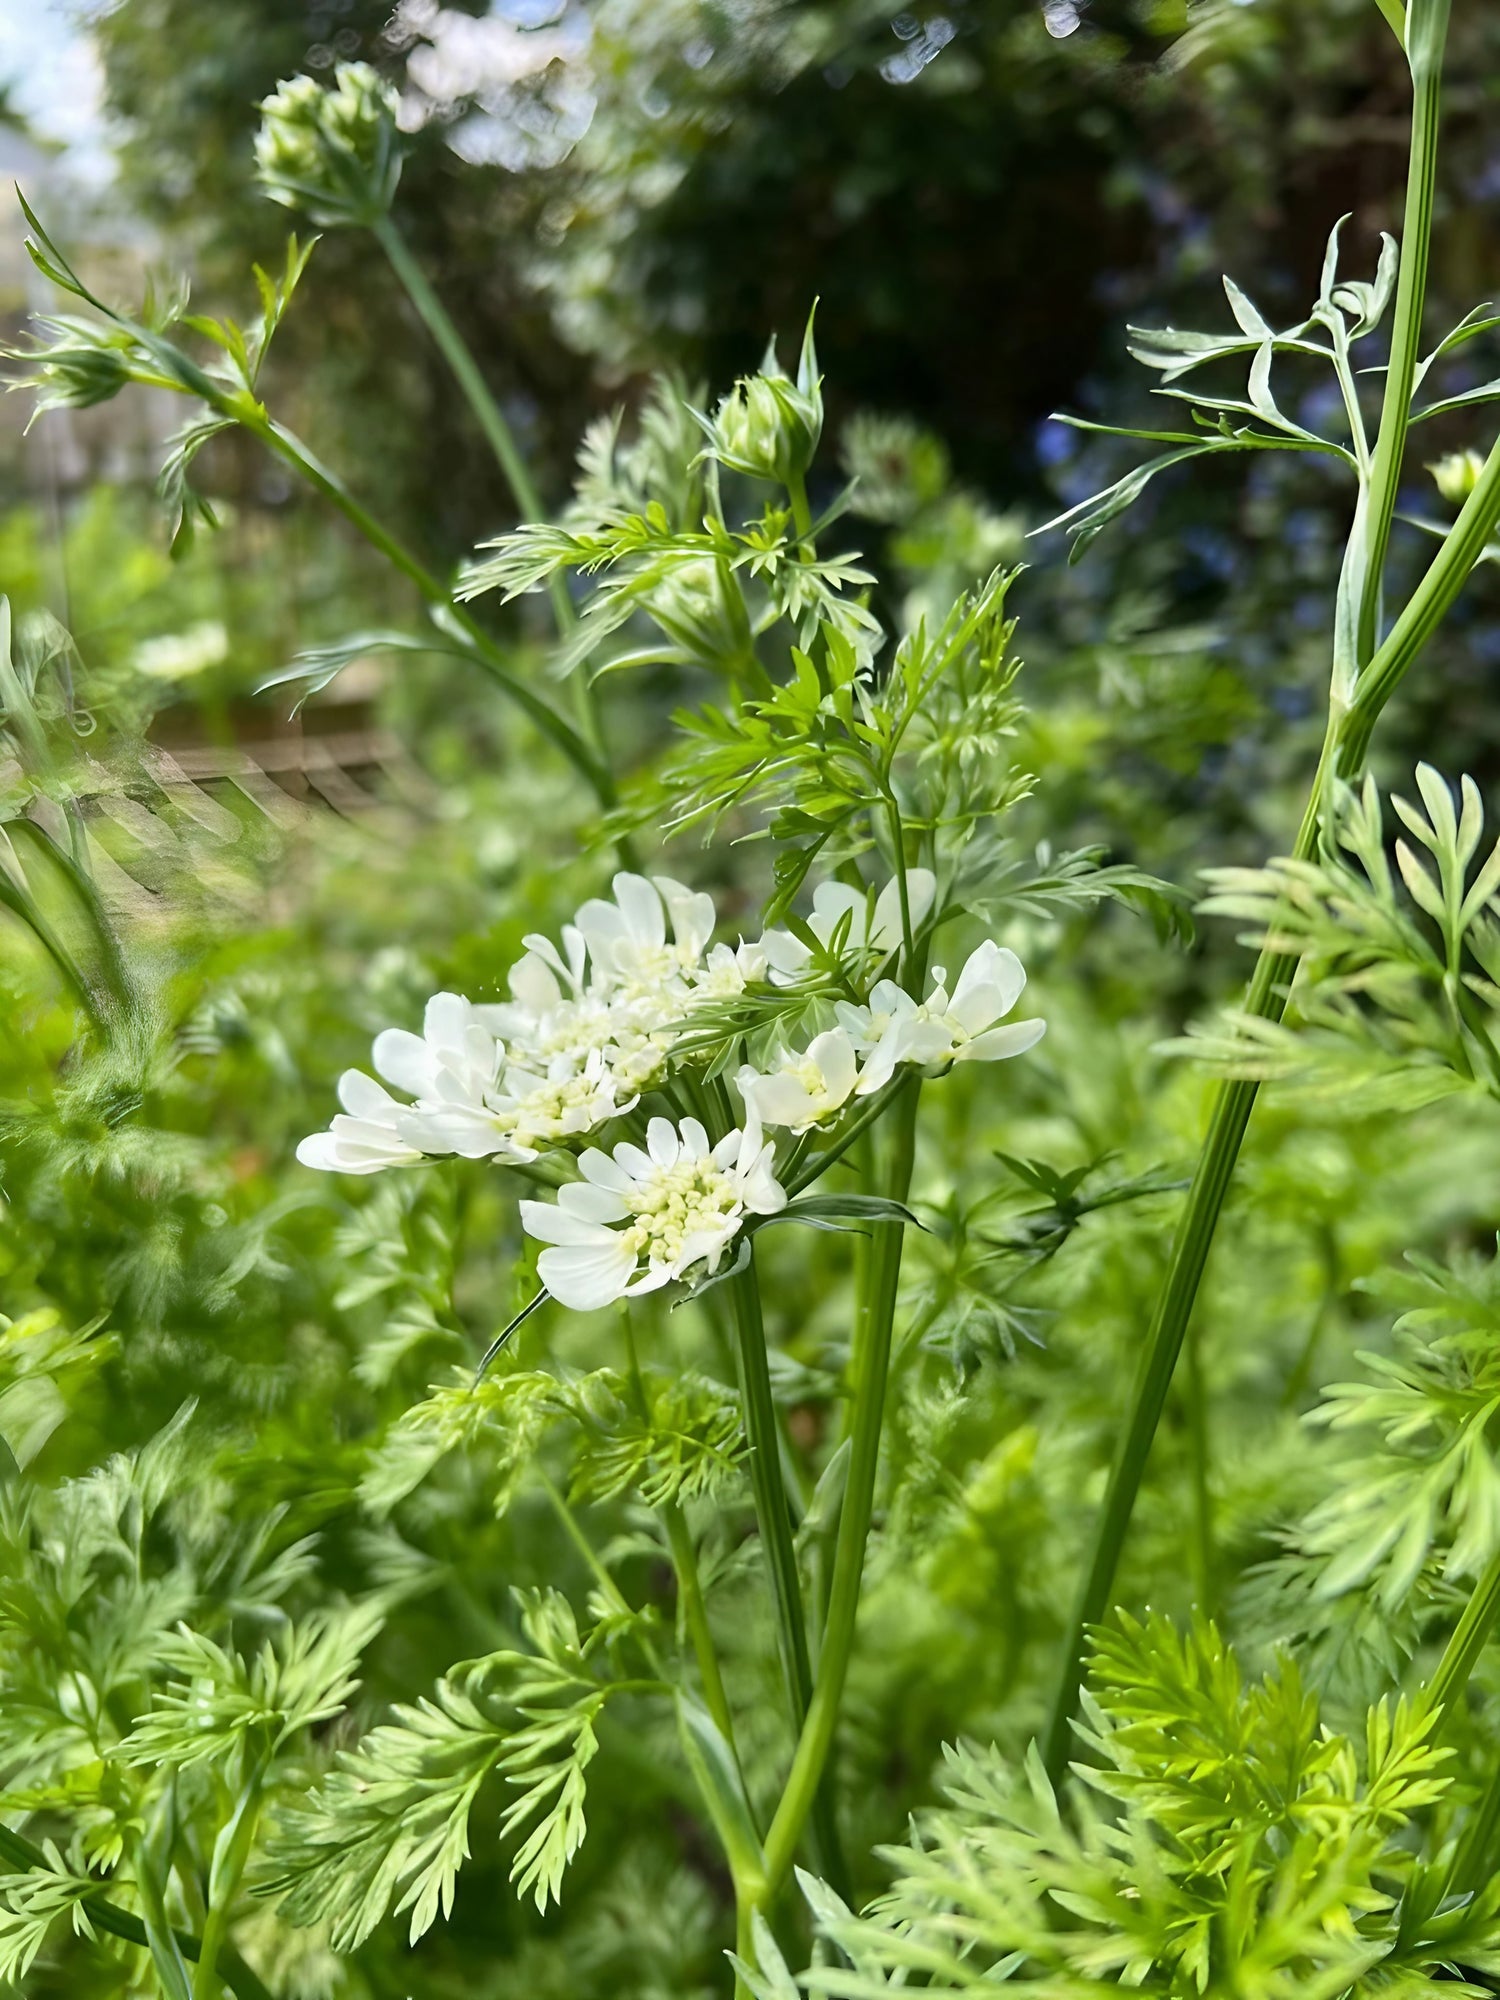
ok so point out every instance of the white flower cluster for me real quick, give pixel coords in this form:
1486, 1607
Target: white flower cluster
589, 1027
585, 1031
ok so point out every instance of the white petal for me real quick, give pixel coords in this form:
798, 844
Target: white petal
694, 1140
780, 1099
990, 966
645, 919
362, 1097
444, 1019
1013, 1038
638, 1165
550, 1224
662, 1142
586, 1279
693, 916
833, 1052
832, 902
602, 1171
403, 1059
591, 1203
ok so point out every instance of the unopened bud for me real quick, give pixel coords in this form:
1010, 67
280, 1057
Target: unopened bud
334, 154
1457, 475
769, 425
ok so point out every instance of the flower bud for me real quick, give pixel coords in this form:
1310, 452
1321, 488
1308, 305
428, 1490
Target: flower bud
335, 154
83, 365
769, 425
1457, 475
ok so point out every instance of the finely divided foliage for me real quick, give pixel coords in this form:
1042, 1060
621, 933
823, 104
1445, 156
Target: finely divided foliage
573, 1483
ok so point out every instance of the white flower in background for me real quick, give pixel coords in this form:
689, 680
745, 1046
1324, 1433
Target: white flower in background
836, 905
177, 656
378, 1131
804, 1089
680, 1201
627, 939
968, 1026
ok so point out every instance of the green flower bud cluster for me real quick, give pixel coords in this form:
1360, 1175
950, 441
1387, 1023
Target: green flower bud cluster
769, 425
334, 154
1457, 474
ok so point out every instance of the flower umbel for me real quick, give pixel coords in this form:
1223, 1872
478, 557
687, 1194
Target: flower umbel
681, 1201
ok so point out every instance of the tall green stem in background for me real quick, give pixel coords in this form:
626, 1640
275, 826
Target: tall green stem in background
497, 431
1426, 38
1344, 751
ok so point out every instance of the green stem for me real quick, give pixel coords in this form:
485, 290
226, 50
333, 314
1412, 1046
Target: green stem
1198, 1441
695, 1617
1344, 752
1469, 1638
455, 619
125, 1925
231, 1854
871, 1366
1426, 39
455, 352
768, 1489
796, 487
500, 436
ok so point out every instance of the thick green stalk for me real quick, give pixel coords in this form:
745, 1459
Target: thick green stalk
773, 1516
1426, 38
871, 1364
124, 1924
769, 1489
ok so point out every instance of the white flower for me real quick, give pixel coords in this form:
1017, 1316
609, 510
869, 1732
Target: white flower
452, 1070
966, 1027
681, 1201
727, 971
836, 905
804, 1089
627, 939
376, 1132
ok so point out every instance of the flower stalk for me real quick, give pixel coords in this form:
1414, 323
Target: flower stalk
1345, 747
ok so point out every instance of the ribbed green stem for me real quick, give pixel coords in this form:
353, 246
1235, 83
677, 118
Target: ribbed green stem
695, 1617
871, 1365
773, 1516
1426, 38
1469, 1638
